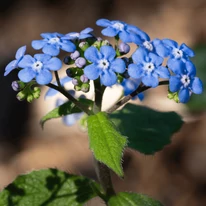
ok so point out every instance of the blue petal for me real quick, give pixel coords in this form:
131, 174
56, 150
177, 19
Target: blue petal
53, 64
108, 52
150, 80
130, 85
160, 48
26, 75
68, 46
20, 52
170, 43
141, 96
27, 61
118, 65
86, 31
108, 78
184, 95
174, 84
139, 56
135, 71
163, 72
110, 31
59, 102
156, 60
84, 36
197, 86
190, 68
177, 66
38, 44
50, 92
48, 35
44, 77
42, 57
92, 54
139, 32
64, 80
52, 50
125, 37
187, 50
92, 71
136, 39
103, 22
11, 66
71, 36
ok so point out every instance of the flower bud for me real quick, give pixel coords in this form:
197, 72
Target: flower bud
84, 79
71, 72
85, 87
84, 45
77, 88
30, 98
37, 92
124, 48
17, 85
105, 42
75, 55
21, 96
80, 62
75, 82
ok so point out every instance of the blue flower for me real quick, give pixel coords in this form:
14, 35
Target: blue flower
86, 33
39, 67
126, 32
70, 119
104, 65
177, 53
130, 85
147, 67
14, 64
52, 43
52, 92
185, 81
156, 46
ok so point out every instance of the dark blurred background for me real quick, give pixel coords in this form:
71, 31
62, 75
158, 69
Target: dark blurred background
177, 175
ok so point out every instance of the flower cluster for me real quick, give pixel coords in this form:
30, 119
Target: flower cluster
90, 58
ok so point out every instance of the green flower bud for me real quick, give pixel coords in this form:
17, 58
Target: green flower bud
30, 98
85, 87
84, 45
77, 88
21, 96
173, 96
36, 92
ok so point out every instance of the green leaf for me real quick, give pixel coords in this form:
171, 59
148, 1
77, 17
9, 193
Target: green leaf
48, 187
198, 102
106, 142
148, 130
64, 109
132, 199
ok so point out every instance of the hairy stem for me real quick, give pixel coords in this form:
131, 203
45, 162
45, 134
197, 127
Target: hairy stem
133, 94
71, 98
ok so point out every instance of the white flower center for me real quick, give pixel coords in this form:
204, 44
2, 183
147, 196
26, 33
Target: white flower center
118, 26
185, 80
177, 53
54, 40
148, 45
103, 64
149, 67
37, 66
74, 35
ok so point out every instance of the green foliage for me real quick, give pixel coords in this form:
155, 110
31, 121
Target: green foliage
64, 109
132, 199
48, 187
198, 102
148, 130
106, 142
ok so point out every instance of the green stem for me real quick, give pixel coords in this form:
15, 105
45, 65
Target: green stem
57, 78
71, 98
133, 94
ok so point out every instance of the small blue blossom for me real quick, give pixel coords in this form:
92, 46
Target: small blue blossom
15, 63
104, 65
69, 119
39, 67
185, 81
86, 33
52, 43
147, 67
52, 92
177, 53
126, 32
130, 85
